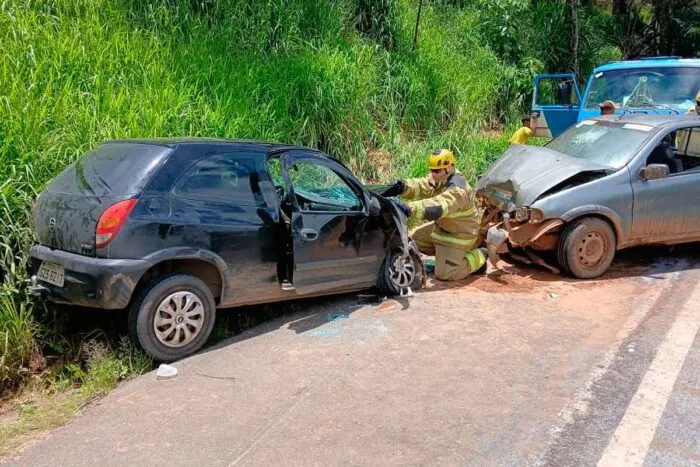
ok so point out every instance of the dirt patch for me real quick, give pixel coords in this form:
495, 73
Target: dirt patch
510, 279
524, 279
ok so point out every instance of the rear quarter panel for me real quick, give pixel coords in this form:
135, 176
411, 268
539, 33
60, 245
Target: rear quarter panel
245, 238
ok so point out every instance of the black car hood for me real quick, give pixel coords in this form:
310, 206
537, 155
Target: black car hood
524, 173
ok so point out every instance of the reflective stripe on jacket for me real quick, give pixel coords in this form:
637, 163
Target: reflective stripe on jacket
450, 204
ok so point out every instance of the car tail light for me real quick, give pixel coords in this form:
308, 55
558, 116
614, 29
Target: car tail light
111, 221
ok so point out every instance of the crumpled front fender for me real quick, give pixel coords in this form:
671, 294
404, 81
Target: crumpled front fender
499, 236
399, 220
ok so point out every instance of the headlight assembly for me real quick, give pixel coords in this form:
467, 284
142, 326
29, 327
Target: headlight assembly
523, 214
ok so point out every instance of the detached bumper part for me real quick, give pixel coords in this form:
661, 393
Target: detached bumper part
496, 238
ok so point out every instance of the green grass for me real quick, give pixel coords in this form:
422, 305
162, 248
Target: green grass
18, 332
47, 408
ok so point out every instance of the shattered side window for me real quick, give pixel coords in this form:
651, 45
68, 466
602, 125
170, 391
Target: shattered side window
274, 168
319, 184
604, 144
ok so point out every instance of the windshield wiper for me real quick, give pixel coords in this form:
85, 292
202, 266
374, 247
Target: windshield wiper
667, 107
628, 109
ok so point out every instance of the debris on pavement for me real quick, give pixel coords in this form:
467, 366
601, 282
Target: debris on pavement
222, 378
337, 316
389, 305
166, 372
429, 266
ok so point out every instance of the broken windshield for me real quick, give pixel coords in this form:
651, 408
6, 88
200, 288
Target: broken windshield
673, 87
604, 143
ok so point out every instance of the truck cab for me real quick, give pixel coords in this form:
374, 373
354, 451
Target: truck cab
659, 85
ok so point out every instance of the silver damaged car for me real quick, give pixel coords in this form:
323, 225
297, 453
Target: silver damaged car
605, 184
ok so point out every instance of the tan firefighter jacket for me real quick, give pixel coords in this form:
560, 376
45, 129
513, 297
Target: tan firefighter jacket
450, 204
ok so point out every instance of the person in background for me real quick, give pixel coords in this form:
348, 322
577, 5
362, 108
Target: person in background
696, 108
523, 134
607, 108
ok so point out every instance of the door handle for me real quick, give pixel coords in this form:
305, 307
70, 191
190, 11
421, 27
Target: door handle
309, 234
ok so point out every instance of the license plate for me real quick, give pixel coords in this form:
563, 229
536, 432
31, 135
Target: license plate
51, 273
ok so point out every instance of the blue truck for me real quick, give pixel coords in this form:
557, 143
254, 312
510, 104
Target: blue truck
659, 85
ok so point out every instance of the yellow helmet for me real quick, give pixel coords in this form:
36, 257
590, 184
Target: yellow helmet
441, 159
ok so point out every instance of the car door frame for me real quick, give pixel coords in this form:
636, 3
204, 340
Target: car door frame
548, 115
640, 225
320, 275
241, 236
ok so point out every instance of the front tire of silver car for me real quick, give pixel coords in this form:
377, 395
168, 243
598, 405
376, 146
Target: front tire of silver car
587, 247
172, 317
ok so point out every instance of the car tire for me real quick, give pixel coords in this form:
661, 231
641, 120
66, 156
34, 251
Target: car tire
586, 247
172, 316
392, 280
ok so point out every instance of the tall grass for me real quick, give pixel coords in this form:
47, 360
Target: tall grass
17, 339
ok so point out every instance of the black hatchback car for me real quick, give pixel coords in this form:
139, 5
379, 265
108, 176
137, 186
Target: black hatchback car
174, 229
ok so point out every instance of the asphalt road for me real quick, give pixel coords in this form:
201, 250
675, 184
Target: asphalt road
517, 369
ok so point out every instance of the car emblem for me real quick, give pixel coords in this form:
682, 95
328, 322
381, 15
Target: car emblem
52, 224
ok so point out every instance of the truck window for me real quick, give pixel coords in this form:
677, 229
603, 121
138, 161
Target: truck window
673, 87
556, 91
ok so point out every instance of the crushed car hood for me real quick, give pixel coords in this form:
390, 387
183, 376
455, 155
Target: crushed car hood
389, 209
524, 173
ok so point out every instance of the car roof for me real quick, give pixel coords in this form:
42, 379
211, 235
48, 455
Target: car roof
656, 121
267, 147
652, 62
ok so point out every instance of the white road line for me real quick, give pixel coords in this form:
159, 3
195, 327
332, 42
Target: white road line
630, 442
580, 404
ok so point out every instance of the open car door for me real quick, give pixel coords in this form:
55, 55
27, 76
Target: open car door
557, 102
329, 225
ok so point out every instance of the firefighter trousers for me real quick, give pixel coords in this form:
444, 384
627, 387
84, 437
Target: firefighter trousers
451, 263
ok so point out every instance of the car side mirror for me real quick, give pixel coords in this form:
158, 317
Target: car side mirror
375, 208
655, 171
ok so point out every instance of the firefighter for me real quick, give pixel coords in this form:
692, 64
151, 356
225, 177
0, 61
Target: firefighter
446, 200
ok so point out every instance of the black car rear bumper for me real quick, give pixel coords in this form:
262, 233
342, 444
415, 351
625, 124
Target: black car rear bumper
93, 282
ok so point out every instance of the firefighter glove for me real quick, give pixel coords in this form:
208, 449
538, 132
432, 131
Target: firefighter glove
395, 188
403, 206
